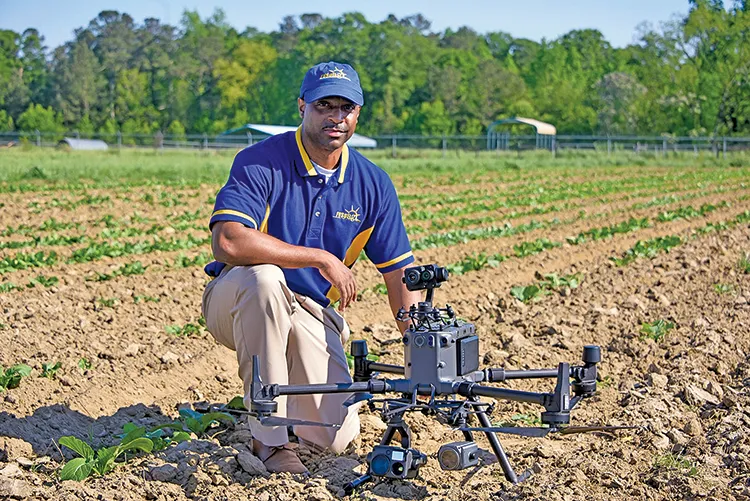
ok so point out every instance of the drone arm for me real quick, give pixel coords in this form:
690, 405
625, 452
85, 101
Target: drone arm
467, 389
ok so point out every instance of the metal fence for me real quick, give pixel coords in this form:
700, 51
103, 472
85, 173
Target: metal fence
404, 143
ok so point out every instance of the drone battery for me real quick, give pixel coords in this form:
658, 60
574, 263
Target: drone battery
468, 355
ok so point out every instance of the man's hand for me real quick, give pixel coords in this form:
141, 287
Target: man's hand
341, 277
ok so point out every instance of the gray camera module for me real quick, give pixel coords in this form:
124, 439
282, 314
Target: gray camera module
458, 455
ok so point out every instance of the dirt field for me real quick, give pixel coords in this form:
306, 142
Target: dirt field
688, 388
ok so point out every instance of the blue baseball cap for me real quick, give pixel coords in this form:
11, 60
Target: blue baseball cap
331, 79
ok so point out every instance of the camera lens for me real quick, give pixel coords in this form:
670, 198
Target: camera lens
427, 275
397, 469
380, 464
441, 274
449, 459
412, 277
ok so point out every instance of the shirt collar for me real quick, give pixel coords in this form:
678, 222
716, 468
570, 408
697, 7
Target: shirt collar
306, 168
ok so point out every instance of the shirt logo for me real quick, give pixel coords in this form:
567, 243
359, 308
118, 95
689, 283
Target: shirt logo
335, 73
349, 215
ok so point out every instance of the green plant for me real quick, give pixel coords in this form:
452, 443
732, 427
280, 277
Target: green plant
107, 302
648, 248
157, 435
656, 330
723, 288
49, 370
84, 364
744, 263
101, 461
44, 281
139, 298
198, 423
676, 462
11, 377
526, 293
183, 330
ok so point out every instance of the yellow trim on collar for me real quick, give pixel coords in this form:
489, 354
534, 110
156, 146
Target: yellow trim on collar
305, 157
343, 163
394, 260
235, 213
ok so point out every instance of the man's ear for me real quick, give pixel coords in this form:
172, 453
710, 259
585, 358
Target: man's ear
301, 105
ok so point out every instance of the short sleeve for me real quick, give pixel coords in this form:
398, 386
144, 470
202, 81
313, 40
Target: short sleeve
245, 195
388, 246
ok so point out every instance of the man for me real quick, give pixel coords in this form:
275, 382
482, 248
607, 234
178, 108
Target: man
293, 217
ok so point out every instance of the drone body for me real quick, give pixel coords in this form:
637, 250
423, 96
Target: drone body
441, 361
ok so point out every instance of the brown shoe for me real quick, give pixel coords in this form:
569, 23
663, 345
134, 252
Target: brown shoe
278, 459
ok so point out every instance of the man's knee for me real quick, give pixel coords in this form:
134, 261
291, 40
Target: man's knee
264, 281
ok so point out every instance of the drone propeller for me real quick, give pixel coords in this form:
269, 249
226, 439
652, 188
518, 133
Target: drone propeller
357, 398
543, 432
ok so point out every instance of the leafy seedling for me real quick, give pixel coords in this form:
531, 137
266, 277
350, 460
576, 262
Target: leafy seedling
84, 364
199, 423
103, 460
11, 377
656, 330
184, 330
49, 370
526, 293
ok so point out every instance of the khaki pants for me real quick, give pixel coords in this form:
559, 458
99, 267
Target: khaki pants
251, 310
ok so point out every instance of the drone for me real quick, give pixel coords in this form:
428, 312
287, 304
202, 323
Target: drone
441, 365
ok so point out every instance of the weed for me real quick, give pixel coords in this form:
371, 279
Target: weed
475, 263
535, 247
107, 302
9, 286
11, 377
656, 330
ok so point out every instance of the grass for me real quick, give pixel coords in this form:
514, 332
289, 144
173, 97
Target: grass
744, 263
34, 168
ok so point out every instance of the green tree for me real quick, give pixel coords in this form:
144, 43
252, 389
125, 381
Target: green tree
39, 118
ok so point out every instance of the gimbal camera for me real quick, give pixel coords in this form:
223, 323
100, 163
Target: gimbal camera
441, 365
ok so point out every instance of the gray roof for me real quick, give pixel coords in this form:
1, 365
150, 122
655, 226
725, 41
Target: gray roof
84, 144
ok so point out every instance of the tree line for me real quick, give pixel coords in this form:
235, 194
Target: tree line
690, 76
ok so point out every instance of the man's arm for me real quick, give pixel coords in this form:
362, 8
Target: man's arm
236, 244
399, 296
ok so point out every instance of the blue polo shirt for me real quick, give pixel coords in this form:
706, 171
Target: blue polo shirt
274, 187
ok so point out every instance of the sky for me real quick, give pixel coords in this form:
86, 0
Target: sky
534, 19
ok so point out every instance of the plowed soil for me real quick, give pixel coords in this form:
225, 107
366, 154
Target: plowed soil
687, 392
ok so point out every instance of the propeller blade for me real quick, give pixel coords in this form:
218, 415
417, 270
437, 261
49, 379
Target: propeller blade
281, 421
513, 430
357, 398
569, 430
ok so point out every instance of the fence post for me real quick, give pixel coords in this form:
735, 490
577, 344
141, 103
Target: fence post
38, 138
249, 139
205, 141
724, 147
393, 146
664, 147
445, 146
119, 139
609, 146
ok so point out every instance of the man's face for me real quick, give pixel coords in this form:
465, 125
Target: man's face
329, 122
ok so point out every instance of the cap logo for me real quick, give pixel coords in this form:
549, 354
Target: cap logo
335, 73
